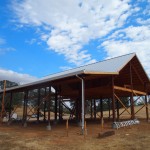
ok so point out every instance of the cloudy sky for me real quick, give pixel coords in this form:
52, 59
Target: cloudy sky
40, 37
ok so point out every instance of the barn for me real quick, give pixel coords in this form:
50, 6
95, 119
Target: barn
110, 80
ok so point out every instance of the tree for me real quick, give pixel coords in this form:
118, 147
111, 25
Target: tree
9, 84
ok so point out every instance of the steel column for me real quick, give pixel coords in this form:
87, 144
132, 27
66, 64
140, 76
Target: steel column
83, 100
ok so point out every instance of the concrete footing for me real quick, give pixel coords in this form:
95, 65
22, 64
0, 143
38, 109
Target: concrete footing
49, 127
25, 125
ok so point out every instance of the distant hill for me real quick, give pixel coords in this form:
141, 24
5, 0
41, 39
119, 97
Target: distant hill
8, 84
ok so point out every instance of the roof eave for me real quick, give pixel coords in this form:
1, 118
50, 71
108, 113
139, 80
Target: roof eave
101, 73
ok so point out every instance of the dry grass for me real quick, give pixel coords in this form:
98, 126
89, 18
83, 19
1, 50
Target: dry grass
36, 137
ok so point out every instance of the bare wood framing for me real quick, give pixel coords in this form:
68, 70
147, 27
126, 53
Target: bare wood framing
137, 74
122, 103
140, 109
129, 90
3, 100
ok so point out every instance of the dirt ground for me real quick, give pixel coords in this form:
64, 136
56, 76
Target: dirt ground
37, 137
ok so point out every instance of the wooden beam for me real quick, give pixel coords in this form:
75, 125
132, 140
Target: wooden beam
101, 73
140, 109
129, 90
137, 74
122, 103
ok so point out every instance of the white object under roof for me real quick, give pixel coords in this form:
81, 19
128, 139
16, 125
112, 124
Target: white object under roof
109, 66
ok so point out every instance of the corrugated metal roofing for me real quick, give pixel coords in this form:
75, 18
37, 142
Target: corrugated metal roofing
110, 66
113, 65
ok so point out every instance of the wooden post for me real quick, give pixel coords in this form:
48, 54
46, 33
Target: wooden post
102, 124
56, 97
67, 127
85, 130
80, 103
101, 106
49, 104
94, 109
117, 110
24, 105
25, 108
49, 101
146, 103
109, 107
59, 109
77, 110
38, 103
91, 109
10, 105
131, 99
3, 101
45, 106
113, 100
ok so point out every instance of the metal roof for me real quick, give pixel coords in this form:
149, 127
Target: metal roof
113, 65
109, 66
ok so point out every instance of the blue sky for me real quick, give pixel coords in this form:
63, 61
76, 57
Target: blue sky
38, 38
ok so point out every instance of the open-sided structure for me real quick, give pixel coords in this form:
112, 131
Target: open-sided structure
110, 79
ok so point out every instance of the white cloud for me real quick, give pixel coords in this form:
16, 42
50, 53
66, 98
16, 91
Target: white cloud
68, 25
3, 47
16, 77
31, 41
3, 50
143, 22
136, 39
146, 10
65, 68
